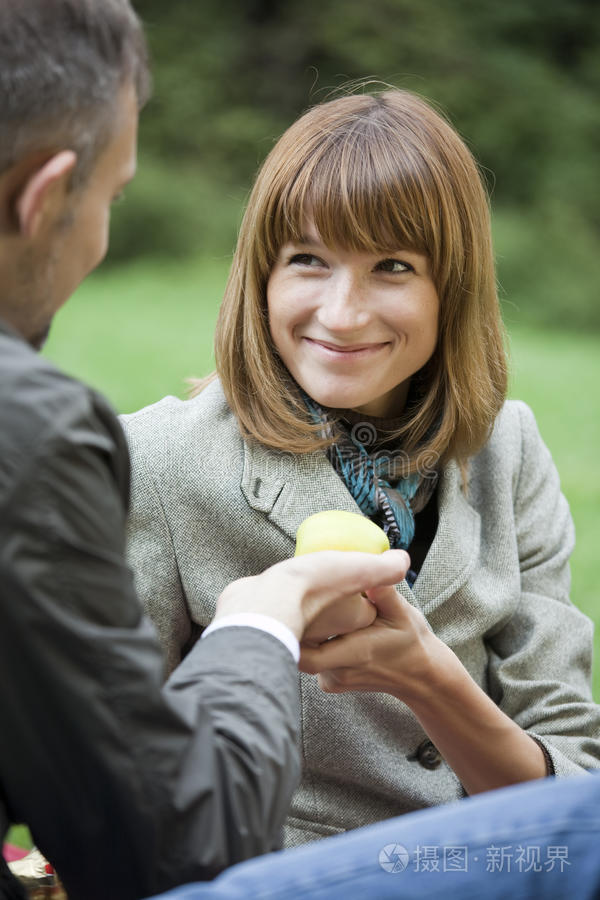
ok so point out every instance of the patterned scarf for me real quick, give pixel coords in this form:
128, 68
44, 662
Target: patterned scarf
390, 501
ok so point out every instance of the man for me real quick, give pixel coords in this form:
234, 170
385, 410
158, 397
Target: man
128, 788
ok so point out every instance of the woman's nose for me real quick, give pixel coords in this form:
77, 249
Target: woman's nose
343, 307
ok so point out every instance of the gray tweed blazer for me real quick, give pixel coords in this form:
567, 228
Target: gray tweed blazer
208, 507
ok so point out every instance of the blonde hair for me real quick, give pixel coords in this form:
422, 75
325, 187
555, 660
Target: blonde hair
374, 172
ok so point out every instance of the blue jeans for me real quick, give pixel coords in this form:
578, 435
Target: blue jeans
540, 839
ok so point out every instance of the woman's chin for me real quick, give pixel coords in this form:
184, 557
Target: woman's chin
337, 401
335, 397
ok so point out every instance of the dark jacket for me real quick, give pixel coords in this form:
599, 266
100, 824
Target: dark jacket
127, 788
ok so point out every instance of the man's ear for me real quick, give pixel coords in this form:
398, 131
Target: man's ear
36, 193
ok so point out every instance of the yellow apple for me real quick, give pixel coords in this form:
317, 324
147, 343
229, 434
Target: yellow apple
336, 529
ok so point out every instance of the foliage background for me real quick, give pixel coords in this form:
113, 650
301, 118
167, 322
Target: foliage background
520, 80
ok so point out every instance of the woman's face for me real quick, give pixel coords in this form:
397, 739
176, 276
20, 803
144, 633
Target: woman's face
352, 328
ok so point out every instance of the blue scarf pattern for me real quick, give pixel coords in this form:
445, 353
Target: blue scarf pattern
390, 502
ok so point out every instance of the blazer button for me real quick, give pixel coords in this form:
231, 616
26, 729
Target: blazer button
428, 755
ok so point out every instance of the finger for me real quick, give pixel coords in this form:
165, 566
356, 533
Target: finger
346, 573
389, 604
395, 613
331, 682
339, 652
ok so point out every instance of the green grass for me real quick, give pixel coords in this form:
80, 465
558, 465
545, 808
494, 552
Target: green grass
558, 375
137, 333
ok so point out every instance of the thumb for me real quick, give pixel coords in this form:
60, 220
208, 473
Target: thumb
389, 603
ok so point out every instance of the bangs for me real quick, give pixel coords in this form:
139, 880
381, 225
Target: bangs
363, 190
374, 174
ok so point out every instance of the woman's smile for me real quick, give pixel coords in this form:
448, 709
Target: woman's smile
344, 354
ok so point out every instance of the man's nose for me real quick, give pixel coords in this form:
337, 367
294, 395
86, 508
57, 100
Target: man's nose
344, 306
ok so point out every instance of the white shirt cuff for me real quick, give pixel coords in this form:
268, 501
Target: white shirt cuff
263, 623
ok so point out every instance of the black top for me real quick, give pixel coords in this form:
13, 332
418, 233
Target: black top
377, 434
128, 788
426, 525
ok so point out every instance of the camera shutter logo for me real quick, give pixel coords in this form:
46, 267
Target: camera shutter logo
393, 858
364, 433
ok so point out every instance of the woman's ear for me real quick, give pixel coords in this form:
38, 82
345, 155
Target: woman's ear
37, 192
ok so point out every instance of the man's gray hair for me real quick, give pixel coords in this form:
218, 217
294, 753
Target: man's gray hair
62, 64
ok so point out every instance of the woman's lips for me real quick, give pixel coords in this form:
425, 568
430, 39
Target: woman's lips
341, 351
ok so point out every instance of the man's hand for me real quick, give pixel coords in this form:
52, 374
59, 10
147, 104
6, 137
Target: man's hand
298, 590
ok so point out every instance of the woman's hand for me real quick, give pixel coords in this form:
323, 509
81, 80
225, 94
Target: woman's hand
394, 654
349, 614
399, 655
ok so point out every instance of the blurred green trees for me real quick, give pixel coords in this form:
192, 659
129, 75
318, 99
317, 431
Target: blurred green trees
520, 79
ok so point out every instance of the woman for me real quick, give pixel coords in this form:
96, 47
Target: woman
361, 366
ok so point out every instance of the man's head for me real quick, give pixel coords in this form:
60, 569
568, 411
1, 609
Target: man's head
72, 76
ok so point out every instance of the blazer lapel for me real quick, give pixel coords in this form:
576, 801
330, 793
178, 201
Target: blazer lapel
288, 488
455, 548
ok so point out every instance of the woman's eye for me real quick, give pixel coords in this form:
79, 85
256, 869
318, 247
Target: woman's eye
395, 266
305, 259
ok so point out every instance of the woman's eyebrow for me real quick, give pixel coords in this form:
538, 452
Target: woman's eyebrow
307, 240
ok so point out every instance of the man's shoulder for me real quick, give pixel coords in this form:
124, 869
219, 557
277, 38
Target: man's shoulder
36, 394
24, 370
40, 406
